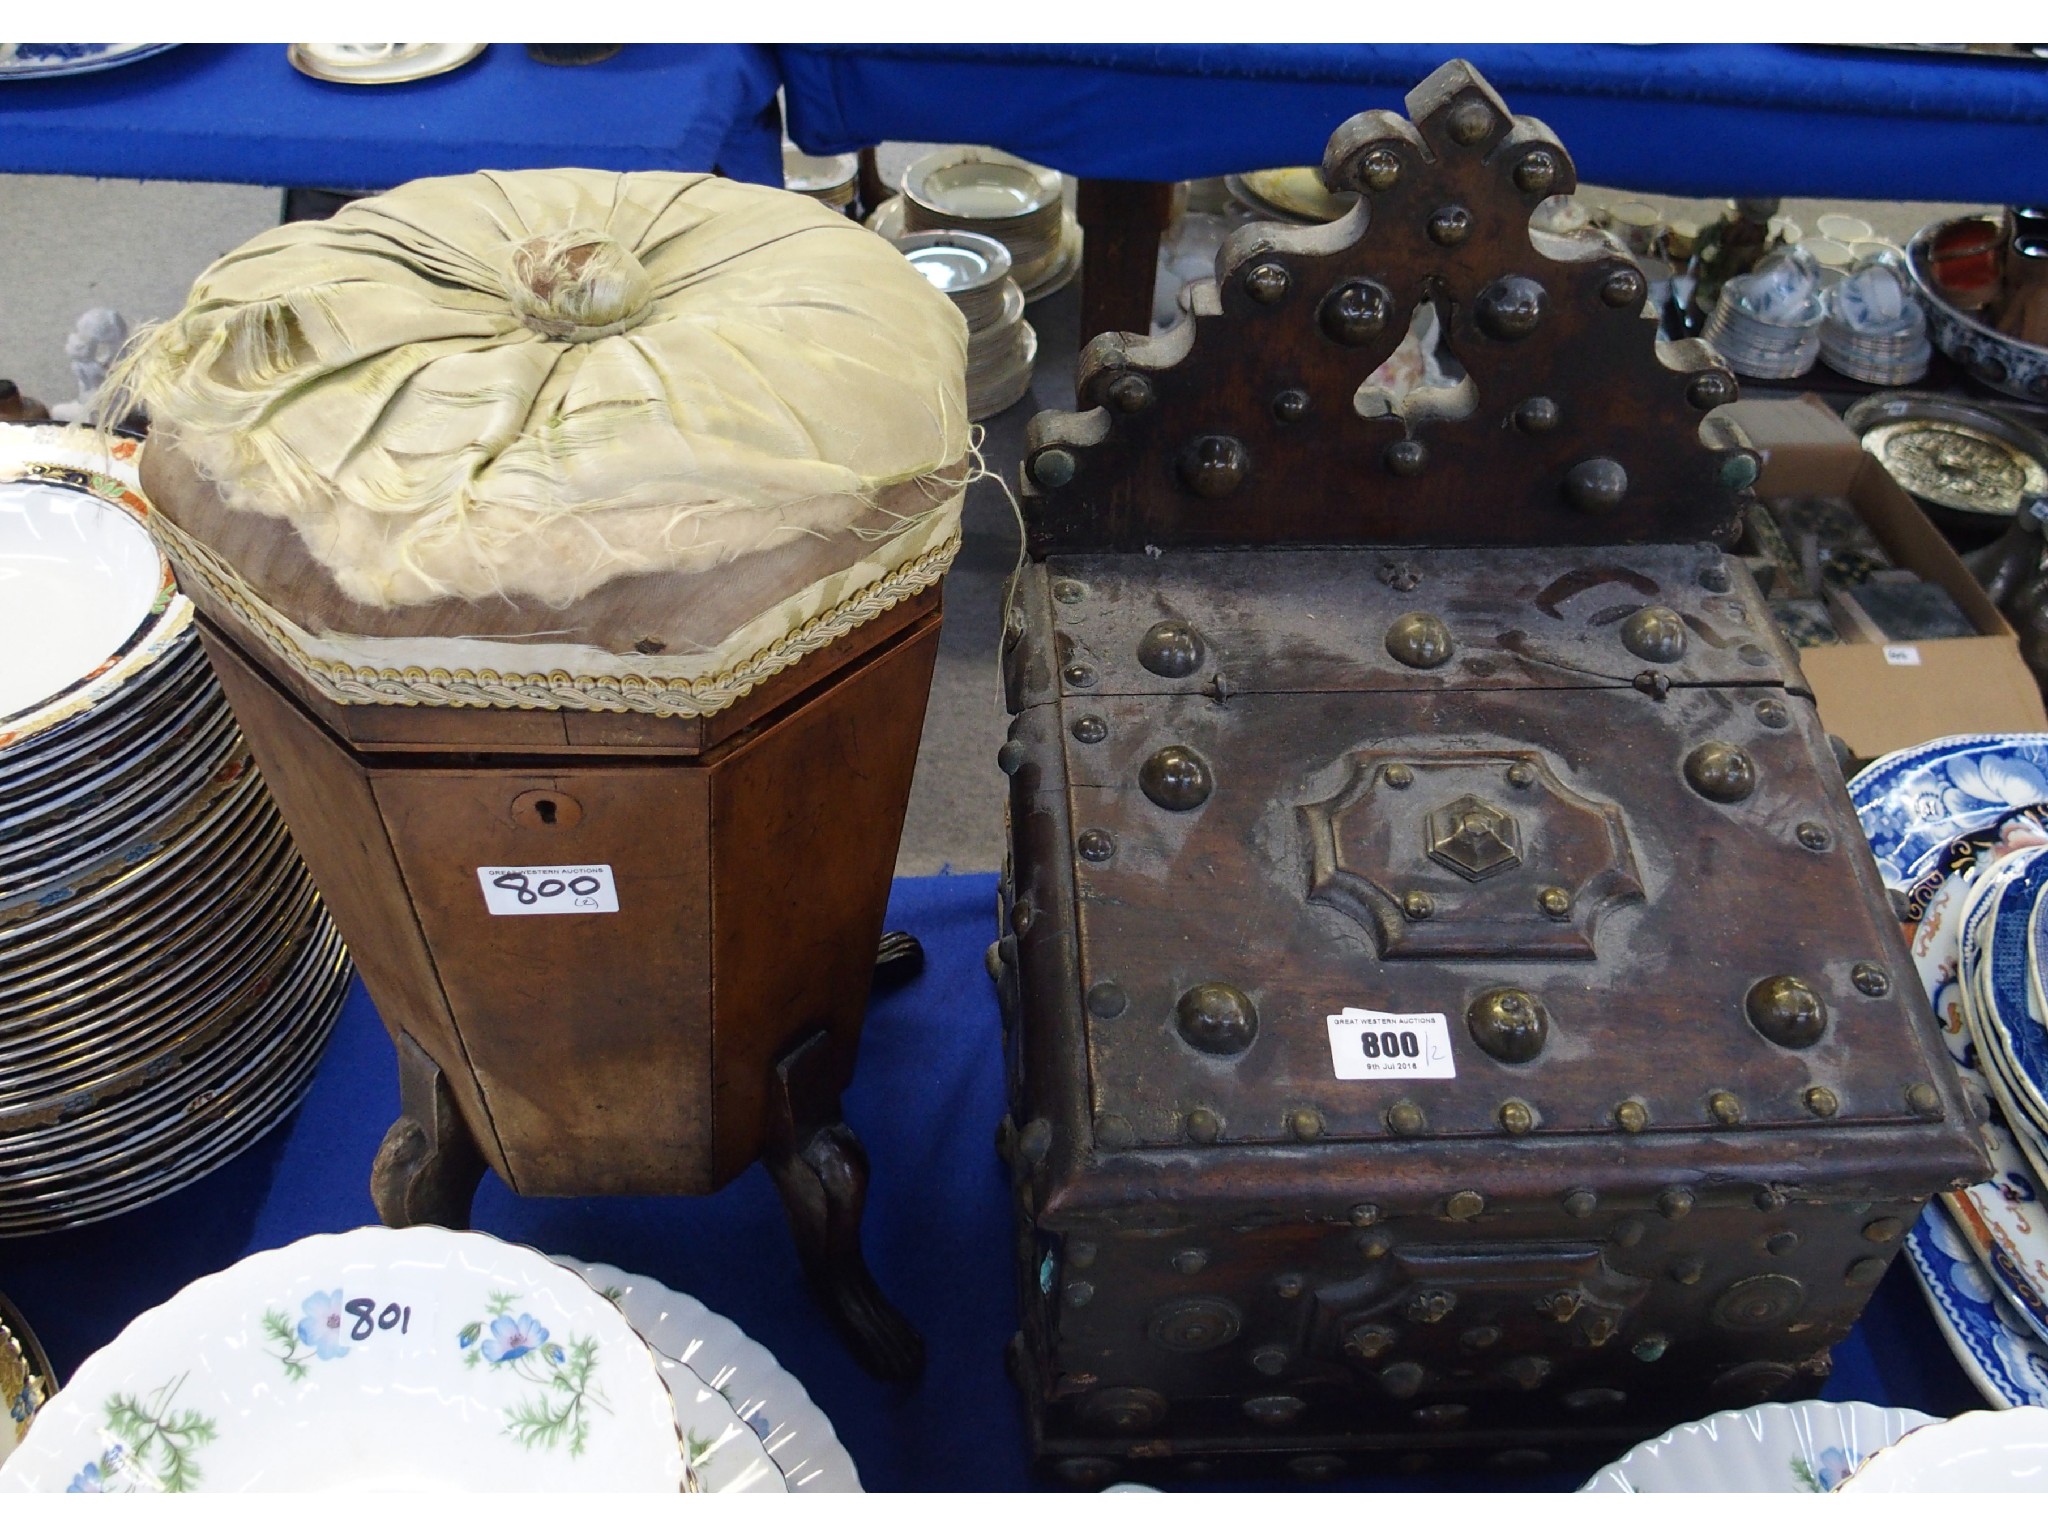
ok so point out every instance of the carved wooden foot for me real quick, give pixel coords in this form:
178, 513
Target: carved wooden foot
428, 1167
898, 958
820, 1168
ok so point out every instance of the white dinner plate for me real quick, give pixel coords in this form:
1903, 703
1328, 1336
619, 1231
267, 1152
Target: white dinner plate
367, 1360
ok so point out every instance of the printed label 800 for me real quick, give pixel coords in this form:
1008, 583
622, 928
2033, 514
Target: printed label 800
1366, 1044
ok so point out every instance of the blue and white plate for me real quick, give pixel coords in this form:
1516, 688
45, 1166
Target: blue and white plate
2003, 1219
44, 61
1918, 800
2001, 1356
1939, 818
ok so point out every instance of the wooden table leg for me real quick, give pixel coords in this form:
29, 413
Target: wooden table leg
428, 1167
822, 1172
872, 192
1122, 221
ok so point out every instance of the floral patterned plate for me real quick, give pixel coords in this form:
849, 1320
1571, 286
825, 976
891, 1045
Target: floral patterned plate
1916, 801
1777, 1448
1997, 1351
2003, 1218
366, 1360
688, 1336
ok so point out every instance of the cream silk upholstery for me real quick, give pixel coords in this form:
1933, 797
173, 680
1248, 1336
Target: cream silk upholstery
557, 438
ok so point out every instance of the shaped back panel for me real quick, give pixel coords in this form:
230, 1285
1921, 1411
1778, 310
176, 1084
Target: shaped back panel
1243, 427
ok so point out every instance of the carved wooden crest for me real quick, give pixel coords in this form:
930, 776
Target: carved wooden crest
1557, 417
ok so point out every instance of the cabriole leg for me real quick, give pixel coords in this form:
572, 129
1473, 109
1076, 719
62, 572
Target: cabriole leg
820, 1168
428, 1167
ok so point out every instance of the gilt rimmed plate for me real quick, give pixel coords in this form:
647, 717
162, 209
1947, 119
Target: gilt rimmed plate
770, 1401
367, 1360
26, 1380
59, 496
1972, 1453
981, 186
379, 63
1809, 1447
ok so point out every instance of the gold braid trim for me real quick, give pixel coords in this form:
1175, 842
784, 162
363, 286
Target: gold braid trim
440, 687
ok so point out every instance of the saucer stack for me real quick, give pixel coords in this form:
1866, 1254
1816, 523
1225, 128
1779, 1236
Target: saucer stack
986, 192
831, 179
1767, 322
1874, 329
974, 271
171, 975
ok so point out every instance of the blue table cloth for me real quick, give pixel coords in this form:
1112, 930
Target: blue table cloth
240, 112
1692, 120
926, 1101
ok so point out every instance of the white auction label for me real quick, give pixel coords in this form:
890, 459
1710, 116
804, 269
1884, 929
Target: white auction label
532, 890
1365, 1044
1902, 655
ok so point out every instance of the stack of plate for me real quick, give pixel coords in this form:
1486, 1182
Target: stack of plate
424, 1358
974, 272
171, 975
831, 179
1958, 827
1767, 322
1874, 329
986, 192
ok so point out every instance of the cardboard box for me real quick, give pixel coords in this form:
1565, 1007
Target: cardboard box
1879, 698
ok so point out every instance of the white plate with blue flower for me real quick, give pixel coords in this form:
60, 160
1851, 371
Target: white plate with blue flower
372, 1360
1807, 1447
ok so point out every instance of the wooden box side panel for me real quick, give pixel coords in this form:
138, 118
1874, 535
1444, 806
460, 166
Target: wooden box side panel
325, 797
589, 1032
805, 819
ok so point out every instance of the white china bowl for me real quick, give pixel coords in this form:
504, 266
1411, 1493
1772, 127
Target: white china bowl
364, 1361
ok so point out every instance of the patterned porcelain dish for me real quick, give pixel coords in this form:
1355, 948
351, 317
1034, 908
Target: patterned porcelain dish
1972, 1453
2006, 363
1938, 816
688, 1336
1925, 797
1777, 1448
2002, 1218
43, 61
366, 1360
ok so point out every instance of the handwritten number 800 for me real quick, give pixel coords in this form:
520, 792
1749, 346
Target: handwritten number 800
582, 885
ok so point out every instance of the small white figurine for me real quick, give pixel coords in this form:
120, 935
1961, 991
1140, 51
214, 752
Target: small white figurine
95, 341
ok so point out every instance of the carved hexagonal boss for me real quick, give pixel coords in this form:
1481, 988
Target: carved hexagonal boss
1474, 838
1431, 861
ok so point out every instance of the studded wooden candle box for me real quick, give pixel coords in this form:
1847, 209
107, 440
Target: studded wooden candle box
1448, 999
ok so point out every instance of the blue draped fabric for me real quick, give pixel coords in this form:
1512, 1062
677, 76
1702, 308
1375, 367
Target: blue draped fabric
939, 1232
1691, 120
240, 112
